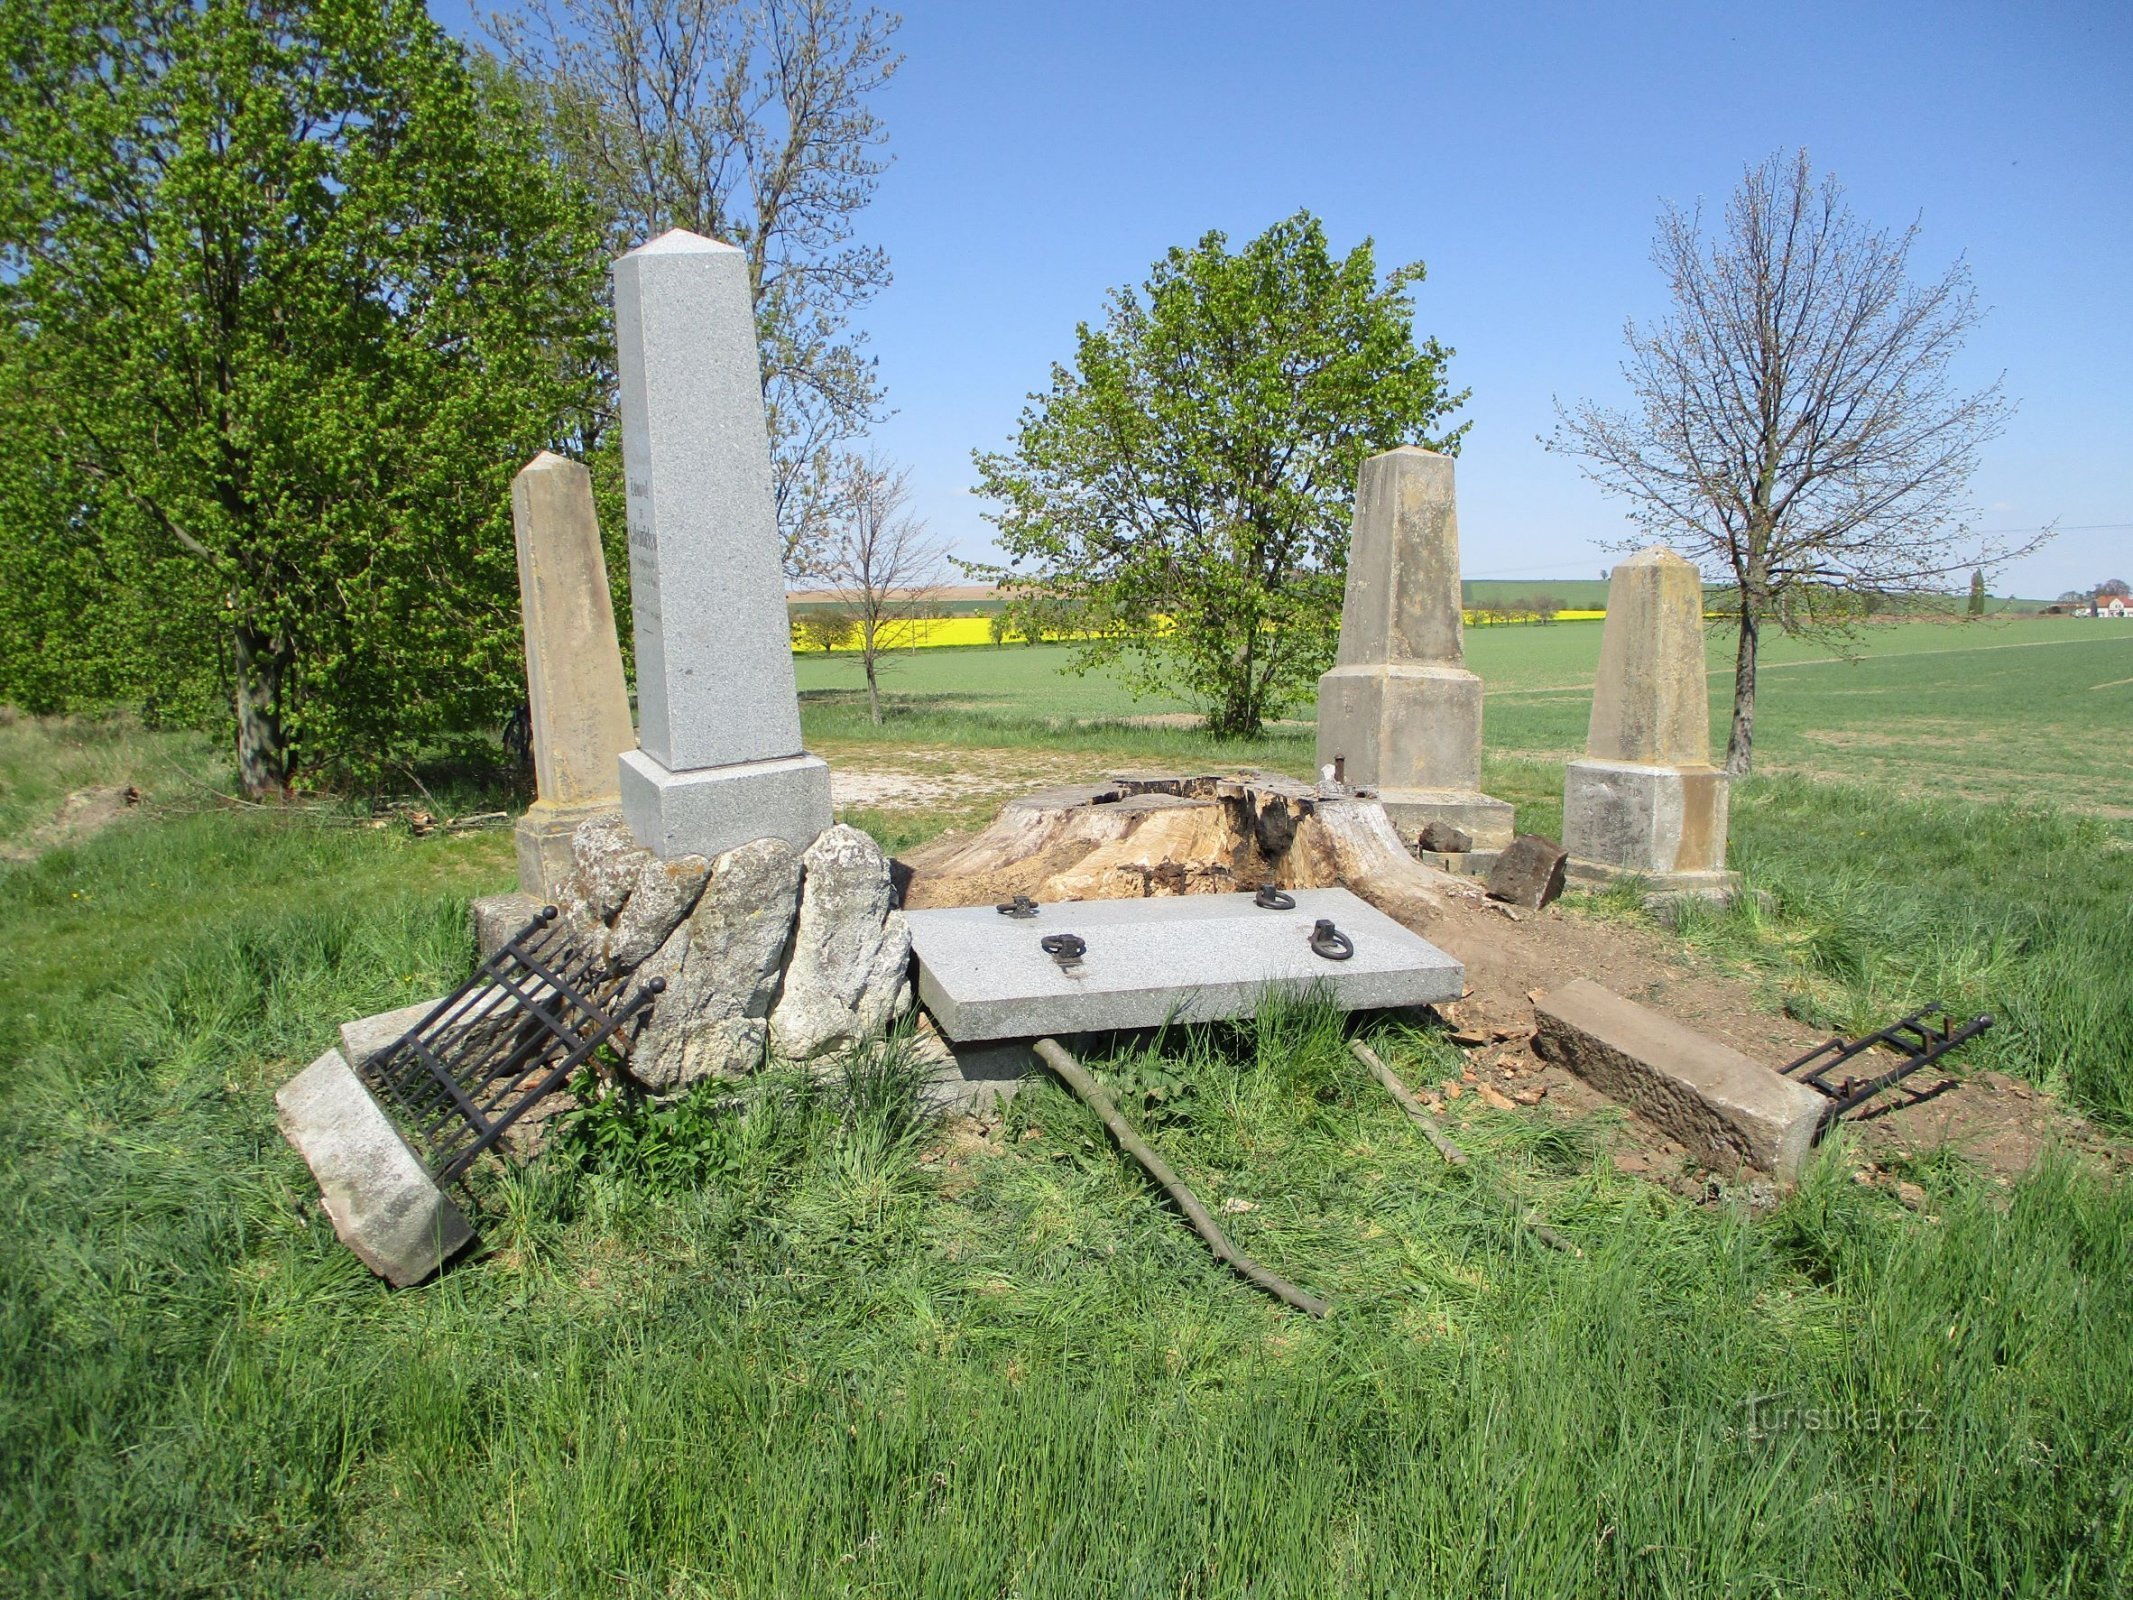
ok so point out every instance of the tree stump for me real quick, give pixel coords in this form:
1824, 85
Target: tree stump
1145, 833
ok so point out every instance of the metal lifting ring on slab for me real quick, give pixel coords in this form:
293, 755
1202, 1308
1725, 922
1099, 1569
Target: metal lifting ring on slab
1274, 899
1064, 947
1022, 906
1330, 942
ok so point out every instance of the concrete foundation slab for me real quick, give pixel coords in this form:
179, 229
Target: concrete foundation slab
1193, 958
1660, 888
377, 1193
1483, 818
1722, 1105
710, 810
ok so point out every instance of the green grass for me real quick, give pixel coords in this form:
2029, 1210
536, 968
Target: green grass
44, 759
790, 1343
845, 1366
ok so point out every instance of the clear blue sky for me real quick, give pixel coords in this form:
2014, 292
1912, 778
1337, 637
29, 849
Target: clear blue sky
1044, 153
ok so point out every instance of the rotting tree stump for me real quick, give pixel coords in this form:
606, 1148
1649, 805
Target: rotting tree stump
1145, 833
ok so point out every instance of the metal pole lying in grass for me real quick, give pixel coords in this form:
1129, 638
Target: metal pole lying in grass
1442, 1140
1076, 1077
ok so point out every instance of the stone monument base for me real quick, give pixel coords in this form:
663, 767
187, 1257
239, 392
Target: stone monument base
380, 1198
1659, 886
543, 836
711, 810
1663, 824
1483, 818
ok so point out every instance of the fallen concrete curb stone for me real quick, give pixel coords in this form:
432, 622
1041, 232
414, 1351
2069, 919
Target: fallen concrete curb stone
1723, 1106
381, 1200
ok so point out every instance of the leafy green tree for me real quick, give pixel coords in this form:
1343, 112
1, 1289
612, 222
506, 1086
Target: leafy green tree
1190, 478
288, 302
1977, 591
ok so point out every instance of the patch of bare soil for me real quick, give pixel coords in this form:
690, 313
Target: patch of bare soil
83, 814
2000, 1123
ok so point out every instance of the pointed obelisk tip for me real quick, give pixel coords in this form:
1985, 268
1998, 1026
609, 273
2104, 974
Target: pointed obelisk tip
680, 241
544, 464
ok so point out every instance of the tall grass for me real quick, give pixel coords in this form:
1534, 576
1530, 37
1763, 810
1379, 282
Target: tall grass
859, 1357
1874, 903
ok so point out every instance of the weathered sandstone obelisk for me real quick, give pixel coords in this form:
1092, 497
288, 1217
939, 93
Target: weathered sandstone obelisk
578, 707
718, 759
1400, 713
1646, 801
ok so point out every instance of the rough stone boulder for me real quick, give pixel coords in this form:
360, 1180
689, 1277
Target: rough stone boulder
1146, 834
721, 966
605, 859
847, 979
624, 899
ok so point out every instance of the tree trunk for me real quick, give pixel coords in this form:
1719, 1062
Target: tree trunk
873, 688
262, 665
1740, 740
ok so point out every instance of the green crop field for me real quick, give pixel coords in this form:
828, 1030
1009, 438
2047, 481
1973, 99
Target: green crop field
2027, 709
793, 1338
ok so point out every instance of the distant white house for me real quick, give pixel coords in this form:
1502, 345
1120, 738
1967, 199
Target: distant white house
2113, 605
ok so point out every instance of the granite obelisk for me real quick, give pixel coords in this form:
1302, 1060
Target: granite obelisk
578, 708
719, 759
1399, 713
1646, 802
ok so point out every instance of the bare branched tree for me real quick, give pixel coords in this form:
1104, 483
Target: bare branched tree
748, 121
1796, 424
880, 562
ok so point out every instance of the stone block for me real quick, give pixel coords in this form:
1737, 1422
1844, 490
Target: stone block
972, 1079
1485, 821
1461, 863
498, 917
1194, 958
1651, 699
715, 809
1665, 824
375, 1190
1723, 1106
1402, 600
577, 705
1398, 726
715, 682
1529, 872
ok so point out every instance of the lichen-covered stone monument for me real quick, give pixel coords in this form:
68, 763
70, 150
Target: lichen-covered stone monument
1400, 713
1646, 801
578, 709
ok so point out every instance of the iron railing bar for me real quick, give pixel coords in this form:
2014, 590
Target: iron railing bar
556, 1078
